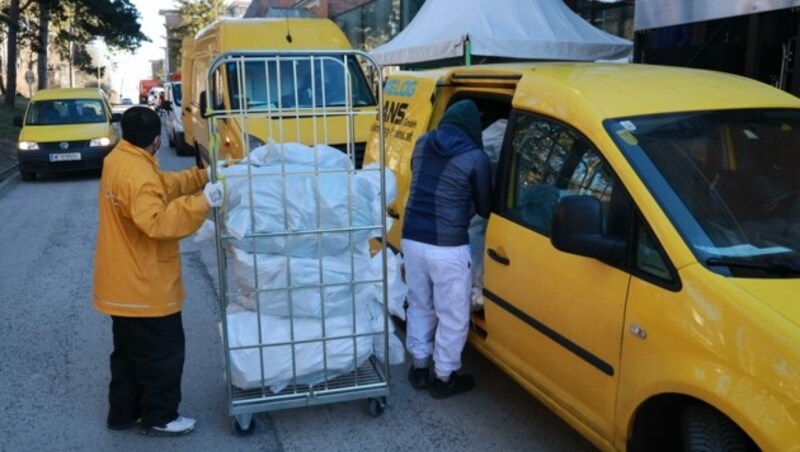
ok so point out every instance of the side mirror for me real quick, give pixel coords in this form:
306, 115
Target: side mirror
203, 105
577, 228
18, 121
116, 117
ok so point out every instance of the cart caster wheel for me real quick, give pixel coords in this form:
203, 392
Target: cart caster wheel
244, 425
377, 406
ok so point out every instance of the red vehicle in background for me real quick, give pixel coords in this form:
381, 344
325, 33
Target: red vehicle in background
144, 89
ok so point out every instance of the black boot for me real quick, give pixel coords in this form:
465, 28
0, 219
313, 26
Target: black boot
419, 378
457, 384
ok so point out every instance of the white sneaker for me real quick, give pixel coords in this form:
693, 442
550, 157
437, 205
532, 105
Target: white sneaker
180, 426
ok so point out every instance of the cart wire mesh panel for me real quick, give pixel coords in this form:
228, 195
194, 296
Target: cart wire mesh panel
302, 278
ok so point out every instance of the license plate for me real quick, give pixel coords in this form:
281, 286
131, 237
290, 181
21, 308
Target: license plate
65, 156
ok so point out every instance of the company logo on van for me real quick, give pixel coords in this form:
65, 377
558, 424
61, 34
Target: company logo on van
401, 88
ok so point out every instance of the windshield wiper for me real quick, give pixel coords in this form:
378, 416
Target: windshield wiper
770, 266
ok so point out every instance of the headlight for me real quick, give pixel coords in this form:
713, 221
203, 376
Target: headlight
102, 141
28, 146
254, 141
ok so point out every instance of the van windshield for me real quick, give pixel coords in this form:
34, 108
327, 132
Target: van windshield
289, 82
177, 95
66, 111
728, 180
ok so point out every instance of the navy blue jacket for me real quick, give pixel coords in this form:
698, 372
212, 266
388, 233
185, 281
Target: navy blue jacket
451, 180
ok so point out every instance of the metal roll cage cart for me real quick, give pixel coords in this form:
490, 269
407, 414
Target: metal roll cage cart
304, 315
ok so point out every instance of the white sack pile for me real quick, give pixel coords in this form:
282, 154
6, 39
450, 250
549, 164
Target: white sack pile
297, 271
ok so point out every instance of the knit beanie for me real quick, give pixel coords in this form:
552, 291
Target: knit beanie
464, 115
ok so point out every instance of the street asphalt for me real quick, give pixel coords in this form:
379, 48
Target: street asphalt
55, 347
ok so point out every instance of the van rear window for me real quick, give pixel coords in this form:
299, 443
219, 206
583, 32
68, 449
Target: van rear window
290, 82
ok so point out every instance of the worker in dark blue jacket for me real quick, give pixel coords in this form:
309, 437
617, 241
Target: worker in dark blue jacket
450, 182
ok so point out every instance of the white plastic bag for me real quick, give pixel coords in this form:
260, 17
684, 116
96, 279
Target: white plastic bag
206, 232
294, 352
342, 286
320, 156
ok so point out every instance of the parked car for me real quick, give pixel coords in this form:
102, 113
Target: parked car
126, 101
642, 258
174, 118
66, 129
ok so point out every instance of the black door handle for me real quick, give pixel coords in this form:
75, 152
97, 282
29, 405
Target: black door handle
392, 213
496, 256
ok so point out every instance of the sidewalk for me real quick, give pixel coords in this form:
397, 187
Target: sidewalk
8, 148
8, 156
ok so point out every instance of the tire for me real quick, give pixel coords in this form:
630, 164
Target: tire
27, 175
705, 429
197, 159
181, 148
377, 406
244, 425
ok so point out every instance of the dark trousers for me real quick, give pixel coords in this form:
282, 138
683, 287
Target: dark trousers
146, 369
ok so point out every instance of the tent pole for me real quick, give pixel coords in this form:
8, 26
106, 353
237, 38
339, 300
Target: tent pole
467, 51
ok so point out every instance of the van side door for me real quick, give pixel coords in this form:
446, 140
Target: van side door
408, 105
555, 318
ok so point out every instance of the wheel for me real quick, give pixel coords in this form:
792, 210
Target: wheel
197, 159
27, 175
377, 406
244, 424
706, 429
181, 148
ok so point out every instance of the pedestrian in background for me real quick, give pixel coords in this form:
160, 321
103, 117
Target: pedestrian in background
161, 104
143, 213
451, 180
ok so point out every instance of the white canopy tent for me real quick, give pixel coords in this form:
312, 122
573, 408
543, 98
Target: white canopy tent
521, 29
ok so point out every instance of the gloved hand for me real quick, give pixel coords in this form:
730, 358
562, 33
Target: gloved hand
215, 193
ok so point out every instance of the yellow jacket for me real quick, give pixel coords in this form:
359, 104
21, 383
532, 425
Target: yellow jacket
143, 214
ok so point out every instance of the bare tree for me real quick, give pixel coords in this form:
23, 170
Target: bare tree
11, 73
42, 41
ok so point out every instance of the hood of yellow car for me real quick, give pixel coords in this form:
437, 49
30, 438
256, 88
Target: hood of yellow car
782, 295
67, 132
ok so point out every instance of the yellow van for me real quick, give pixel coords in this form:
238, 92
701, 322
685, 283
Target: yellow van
66, 129
642, 258
271, 84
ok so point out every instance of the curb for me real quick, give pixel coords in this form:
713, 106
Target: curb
7, 175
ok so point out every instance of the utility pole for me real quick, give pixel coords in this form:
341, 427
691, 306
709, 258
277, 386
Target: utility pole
71, 56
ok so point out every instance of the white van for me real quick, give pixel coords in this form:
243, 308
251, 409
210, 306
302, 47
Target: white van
173, 121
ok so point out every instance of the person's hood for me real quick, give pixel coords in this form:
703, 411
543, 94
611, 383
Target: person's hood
448, 141
464, 115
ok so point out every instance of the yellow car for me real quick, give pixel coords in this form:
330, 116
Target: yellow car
642, 258
69, 129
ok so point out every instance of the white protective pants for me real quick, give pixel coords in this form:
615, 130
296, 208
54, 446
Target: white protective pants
439, 281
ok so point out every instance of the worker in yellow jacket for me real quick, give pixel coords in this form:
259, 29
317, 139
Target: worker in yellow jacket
137, 278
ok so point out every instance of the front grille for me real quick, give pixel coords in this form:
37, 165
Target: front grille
56, 145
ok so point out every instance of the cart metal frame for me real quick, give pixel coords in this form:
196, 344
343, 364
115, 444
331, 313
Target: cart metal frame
370, 380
